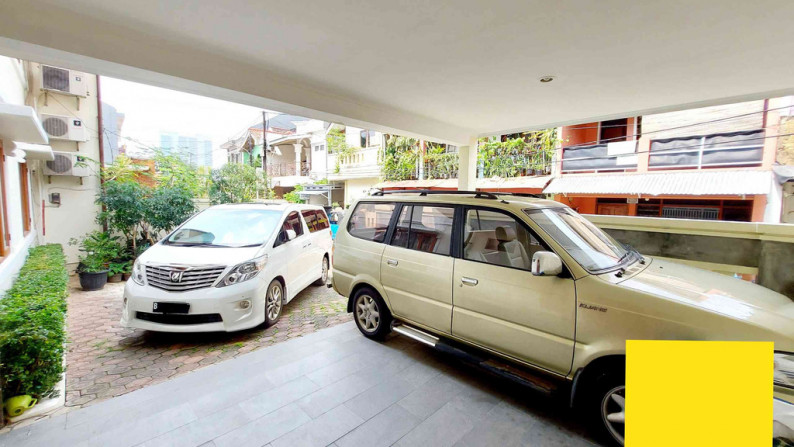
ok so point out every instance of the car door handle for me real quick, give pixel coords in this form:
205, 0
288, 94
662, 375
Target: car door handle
392, 262
469, 281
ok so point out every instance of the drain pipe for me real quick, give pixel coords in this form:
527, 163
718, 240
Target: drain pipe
101, 138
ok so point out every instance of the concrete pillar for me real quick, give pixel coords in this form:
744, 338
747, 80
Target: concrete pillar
467, 168
298, 149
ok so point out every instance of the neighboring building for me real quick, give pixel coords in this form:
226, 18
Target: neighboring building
44, 196
196, 150
359, 173
710, 163
112, 121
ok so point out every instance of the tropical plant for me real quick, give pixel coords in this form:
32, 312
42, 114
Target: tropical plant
173, 171
236, 183
294, 195
400, 158
338, 145
526, 154
123, 208
166, 207
439, 163
97, 250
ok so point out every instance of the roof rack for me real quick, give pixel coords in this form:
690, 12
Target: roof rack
425, 192
520, 194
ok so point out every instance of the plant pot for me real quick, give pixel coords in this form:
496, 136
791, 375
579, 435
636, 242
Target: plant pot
115, 278
17, 405
93, 280
125, 276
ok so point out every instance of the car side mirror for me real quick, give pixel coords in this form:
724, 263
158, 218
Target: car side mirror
291, 235
546, 263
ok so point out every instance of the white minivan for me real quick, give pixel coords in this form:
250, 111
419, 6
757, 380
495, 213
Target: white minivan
228, 268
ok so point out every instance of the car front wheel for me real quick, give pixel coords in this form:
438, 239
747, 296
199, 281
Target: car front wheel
607, 408
274, 302
371, 314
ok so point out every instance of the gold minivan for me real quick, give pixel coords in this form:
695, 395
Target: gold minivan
529, 289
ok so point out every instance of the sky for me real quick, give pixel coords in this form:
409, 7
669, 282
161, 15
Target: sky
150, 111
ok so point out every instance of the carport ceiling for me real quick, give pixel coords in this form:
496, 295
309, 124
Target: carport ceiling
448, 69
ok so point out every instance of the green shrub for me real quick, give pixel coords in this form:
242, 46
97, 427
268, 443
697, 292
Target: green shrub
32, 332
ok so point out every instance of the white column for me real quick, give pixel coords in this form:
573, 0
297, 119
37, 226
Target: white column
467, 170
298, 148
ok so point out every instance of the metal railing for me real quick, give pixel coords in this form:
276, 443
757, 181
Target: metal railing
289, 169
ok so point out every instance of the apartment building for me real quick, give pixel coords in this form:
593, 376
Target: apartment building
48, 124
710, 163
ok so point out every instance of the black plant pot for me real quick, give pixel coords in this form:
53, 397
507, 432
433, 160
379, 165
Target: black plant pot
93, 280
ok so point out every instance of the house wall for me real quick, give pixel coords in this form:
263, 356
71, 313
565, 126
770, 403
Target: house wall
13, 90
655, 126
356, 188
76, 215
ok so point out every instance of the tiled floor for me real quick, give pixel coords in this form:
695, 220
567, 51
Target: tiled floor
105, 360
331, 387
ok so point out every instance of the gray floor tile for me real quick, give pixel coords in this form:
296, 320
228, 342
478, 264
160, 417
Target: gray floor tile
202, 430
504, 426
336, 394
273, 399
443, 428
136, 431
321, 431
379, 397
431, 396
265, 429
382, 430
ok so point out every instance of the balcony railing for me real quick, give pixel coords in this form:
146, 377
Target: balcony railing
707, 151
289, 169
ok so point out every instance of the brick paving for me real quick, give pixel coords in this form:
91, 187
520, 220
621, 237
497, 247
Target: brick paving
105, 360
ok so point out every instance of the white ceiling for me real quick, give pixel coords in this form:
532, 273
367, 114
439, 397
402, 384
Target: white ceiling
448, 69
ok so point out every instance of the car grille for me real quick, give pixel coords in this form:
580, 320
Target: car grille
193, 278
179, 319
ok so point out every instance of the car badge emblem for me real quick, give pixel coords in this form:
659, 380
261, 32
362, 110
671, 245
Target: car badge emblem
176, 276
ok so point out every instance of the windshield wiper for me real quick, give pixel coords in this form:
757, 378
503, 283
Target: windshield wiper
193, 244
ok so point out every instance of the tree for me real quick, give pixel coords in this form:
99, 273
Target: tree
166, 207
172, 171
294, 195
123, 208
235, 183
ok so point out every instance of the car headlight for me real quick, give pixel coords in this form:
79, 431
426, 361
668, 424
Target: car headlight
784, 369
244, 272
139, 273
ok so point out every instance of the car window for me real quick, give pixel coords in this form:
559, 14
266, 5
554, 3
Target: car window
425, 228
498, 238
293, 222
310, 217
227, 228
322, 220
370, 220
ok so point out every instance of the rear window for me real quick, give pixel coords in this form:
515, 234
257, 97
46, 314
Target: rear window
316, 220
370, 221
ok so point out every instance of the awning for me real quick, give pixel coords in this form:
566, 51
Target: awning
20, 123
694, 183
29, 151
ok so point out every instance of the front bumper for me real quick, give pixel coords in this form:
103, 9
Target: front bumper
783, 426
210, 301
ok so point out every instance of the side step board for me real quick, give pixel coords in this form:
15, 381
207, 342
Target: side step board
492, 364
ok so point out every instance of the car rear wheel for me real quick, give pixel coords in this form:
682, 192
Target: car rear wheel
371, 314
324, 276
274, 302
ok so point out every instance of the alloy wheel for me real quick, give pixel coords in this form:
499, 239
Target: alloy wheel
613, 412
367, 313
273, 302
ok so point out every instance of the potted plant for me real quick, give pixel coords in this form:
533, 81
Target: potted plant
127, 272
92, 271
98, 250
116, 270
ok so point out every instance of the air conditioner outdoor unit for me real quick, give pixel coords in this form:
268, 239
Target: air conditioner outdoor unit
60, 127
61, 80
64, 164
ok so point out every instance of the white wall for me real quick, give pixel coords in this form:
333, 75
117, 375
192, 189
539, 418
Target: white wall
358, 188
353, 136
13, 89
76, 215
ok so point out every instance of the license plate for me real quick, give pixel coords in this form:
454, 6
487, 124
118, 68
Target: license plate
171, 308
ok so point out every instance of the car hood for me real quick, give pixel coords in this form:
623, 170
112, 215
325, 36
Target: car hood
732, 297
172, 254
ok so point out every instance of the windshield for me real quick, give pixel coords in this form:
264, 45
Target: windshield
224, 227
592, 248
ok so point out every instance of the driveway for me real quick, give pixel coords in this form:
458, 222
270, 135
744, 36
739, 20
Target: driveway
105, 360
332, 387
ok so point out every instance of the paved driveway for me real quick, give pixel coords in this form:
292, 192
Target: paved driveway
332, 387
104, 360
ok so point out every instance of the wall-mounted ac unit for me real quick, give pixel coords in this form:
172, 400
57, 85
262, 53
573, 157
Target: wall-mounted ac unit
64, 164
61, 80
60, 127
